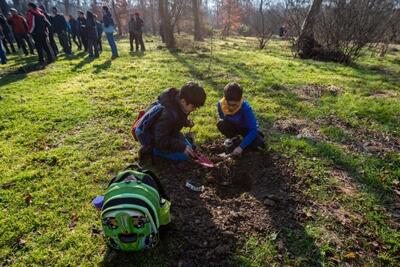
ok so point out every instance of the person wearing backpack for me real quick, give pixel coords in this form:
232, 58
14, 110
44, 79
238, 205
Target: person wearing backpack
159, 130
37, 26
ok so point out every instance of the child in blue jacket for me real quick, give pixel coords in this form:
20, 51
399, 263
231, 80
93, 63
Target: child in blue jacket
237, 118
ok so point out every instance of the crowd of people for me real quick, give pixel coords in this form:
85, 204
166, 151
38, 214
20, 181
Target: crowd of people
37, 30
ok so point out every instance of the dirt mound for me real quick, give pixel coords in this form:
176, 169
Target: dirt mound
243, 197
313, 91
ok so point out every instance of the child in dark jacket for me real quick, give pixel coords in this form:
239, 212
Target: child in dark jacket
237, 118
167, 139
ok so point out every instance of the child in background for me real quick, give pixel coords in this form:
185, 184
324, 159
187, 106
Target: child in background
237, 118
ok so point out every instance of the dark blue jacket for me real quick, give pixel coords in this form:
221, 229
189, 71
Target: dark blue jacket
244, 119
59, 24
107, 19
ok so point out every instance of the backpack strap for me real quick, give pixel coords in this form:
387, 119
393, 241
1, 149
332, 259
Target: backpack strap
156, 179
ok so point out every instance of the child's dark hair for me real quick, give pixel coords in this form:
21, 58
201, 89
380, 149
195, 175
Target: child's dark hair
233, 92
193, 93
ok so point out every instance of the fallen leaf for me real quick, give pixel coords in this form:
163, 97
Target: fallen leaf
350, 256
397, 192
74, 220
28, 199
21, 242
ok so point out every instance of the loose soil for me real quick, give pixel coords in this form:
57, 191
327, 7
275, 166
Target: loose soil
251, 195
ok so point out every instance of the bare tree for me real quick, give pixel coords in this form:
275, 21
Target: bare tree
266, 20
167, 27
152, 17
196, 18
306, 41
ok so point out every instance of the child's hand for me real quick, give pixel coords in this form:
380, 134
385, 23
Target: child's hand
189, 151
237, 151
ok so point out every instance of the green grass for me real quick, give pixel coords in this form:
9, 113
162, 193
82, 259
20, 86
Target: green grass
65, 130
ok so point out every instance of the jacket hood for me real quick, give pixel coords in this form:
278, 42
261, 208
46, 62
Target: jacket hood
169, 98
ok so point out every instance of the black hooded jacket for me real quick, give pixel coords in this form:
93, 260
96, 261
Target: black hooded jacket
167, 128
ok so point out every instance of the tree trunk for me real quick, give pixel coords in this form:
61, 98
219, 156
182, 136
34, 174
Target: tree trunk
117, 19
66, 7
196, 17
153, 22
306, 41
166, 24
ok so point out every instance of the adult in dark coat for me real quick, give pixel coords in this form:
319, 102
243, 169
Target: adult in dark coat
82, 28
38, 28
91, 29
131, 27
53, 44
139, 23
20, 28
3, 58
99, 26
60, 28
75, 32
8, 35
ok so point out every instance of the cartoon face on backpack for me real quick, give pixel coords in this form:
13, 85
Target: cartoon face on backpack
128, 230
133, 210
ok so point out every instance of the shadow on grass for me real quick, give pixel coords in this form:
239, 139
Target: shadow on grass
210, 229
82, 63
101, 67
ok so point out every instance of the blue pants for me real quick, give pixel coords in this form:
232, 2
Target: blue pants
111, 42
3, 57
174, 156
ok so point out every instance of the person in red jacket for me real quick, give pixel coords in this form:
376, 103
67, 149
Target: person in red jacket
37, 26
20, 28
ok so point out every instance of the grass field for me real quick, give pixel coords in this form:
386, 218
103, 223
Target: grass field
64, 131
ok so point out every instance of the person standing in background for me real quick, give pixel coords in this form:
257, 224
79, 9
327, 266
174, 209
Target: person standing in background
99, 27
109, 28
8, 36
20, 28
60, 28
139, 32
91, 30
3, 57
53, 44
75, 32
38, 28
131, 27
82, 28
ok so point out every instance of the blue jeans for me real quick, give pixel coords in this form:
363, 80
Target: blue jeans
3, 57
174, 156
111, 42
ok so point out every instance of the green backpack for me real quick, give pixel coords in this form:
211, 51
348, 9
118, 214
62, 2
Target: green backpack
134, 208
